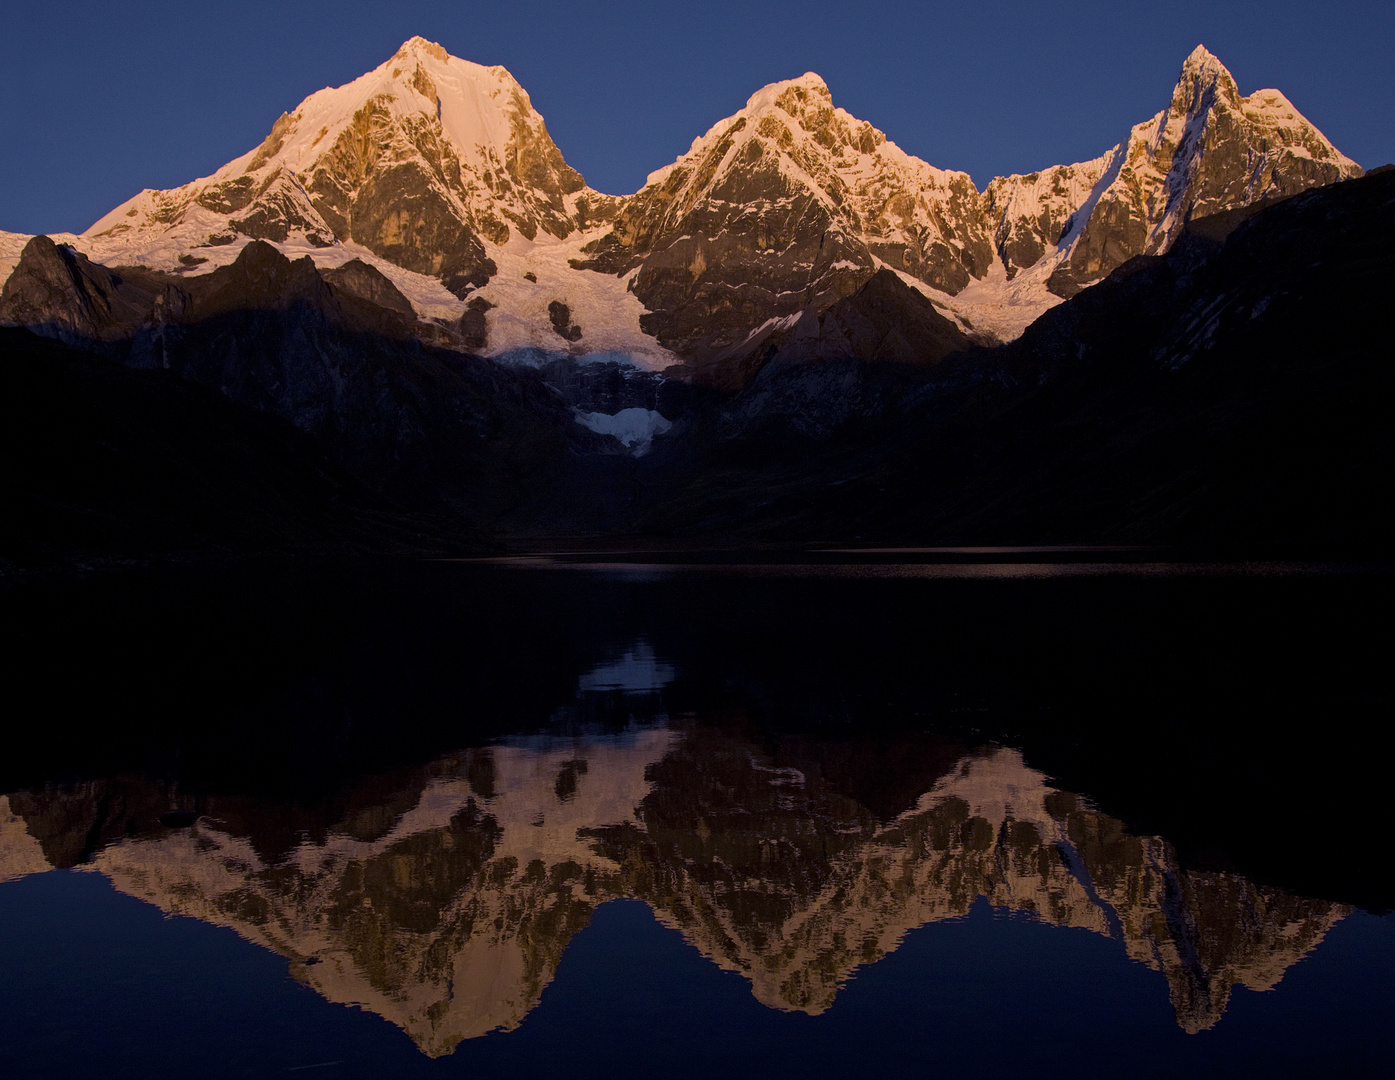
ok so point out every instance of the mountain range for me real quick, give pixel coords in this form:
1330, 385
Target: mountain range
440, 172
408, 271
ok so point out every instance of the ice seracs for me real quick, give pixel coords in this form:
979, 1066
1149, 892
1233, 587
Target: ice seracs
635, 428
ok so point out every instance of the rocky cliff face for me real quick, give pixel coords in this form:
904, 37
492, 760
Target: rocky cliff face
884, 322
1031, 213
445, 901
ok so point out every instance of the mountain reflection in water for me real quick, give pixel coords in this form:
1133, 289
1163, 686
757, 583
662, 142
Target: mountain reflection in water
417, 783
445, 903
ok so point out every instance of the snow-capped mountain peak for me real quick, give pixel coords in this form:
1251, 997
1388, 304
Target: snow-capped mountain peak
788, 205
417, 161
768, 96
1211, 149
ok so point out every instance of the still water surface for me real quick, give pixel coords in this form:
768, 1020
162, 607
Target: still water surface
619, 815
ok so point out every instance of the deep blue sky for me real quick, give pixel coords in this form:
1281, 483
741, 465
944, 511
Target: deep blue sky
98, 100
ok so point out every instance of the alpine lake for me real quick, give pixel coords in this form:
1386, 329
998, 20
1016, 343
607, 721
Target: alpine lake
963, 813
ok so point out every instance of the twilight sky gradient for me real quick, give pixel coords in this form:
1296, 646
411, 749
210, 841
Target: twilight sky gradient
101, 99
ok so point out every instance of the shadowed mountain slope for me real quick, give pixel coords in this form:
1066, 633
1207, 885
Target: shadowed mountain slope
98, 462
332, 352
1231, 390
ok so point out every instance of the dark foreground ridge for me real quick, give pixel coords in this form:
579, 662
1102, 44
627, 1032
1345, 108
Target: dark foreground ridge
105, 464
1234, 391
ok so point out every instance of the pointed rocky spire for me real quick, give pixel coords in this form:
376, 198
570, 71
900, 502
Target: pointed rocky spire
1201, 58
1203, 79
419, 45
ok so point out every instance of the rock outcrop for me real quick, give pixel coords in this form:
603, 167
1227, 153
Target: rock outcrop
884, 322
59, 292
